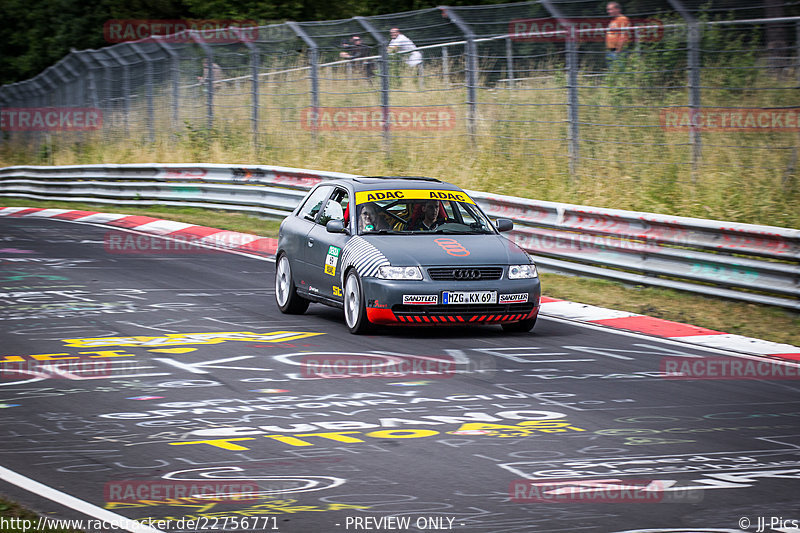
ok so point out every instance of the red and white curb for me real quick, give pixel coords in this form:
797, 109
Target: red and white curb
196, 235
666, 329
264, 246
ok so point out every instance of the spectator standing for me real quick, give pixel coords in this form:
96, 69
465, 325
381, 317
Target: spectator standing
356, 49
401, 43
617, 32
212, 72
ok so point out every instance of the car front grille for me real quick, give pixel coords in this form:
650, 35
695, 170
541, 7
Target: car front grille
465, 273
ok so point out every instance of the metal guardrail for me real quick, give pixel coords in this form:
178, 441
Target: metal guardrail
747, 262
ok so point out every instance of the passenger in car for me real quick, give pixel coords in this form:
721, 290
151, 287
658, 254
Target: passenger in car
370, 220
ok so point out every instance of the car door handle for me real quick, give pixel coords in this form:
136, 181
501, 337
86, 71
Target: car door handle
310, 242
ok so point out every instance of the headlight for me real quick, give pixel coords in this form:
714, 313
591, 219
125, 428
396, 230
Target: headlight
390, 272
522, 272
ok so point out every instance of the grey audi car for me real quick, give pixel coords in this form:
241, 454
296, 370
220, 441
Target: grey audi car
403, 250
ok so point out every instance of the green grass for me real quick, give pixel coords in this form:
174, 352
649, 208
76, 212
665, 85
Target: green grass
752, 320
519, 146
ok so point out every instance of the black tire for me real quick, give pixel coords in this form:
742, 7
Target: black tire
355, 312
523, 326
286, 296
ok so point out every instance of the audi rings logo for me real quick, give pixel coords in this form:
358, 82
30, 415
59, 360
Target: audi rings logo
466, 273
452, 247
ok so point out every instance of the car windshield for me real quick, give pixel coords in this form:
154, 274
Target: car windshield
408, 212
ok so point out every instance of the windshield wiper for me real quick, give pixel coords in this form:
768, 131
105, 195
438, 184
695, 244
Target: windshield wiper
385, 232
450, 231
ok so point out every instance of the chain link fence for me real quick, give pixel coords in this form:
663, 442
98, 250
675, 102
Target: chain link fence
694, 86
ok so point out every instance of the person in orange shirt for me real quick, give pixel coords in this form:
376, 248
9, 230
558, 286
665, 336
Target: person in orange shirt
616, 39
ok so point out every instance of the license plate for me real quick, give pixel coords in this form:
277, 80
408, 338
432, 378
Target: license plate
472, 297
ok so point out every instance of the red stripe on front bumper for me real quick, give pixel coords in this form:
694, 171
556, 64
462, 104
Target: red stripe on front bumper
381, 316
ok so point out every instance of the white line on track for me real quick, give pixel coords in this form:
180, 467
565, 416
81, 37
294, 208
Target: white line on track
118, 521
684, 344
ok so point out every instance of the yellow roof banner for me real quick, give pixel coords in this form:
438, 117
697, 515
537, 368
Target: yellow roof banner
363, 197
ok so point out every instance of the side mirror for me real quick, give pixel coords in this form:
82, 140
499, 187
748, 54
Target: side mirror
335, 226
504, 224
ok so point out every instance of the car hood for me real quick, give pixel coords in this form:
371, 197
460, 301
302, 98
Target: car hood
444, 250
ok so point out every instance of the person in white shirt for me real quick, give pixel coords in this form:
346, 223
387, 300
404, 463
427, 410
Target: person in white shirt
401, 43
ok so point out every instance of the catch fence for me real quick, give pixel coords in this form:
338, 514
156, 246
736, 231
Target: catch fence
695, 88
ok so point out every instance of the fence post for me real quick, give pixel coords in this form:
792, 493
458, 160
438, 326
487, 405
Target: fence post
254, 92
384, 64
693, 60
78, 82
445, 67
509, 62
209, 81
313, 58
175, 66
572, 104
105, 99
91, 78
126, 104
573, 64
471, 68
3, 105
797, 45
148, 89
65, 87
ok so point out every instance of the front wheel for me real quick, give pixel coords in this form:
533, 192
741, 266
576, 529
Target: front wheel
286, 296
523, 326
355, 313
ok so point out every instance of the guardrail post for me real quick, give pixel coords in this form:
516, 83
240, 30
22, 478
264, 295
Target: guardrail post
313, 59
471, 69
384, 65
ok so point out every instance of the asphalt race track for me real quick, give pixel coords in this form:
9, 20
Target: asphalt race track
165, 384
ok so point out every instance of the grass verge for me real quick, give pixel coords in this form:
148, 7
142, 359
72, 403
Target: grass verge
752, 320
